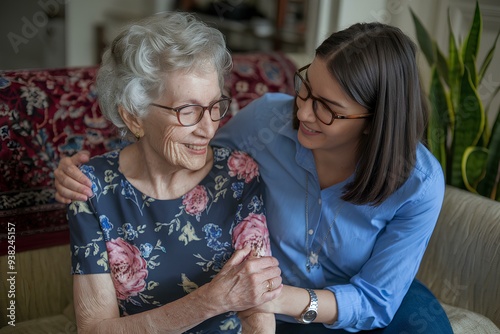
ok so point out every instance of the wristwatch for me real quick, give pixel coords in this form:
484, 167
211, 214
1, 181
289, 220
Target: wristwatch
311, 311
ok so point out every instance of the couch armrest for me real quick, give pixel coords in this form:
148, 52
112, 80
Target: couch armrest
43, 285
462, 262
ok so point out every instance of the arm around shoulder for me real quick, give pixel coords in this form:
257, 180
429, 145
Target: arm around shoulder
70, 182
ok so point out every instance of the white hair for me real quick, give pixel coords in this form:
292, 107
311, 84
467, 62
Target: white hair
134, 68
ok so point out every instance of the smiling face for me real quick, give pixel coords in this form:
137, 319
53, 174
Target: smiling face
167, 141
343, 135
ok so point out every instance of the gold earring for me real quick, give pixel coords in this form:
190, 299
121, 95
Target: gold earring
138, 135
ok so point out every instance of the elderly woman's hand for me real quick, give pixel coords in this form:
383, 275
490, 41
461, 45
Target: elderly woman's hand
70, 182
243, 284
257, 323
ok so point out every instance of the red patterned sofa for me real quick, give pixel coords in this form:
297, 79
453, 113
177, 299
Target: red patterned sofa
48, 114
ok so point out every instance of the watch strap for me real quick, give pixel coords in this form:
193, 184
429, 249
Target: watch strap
313, 306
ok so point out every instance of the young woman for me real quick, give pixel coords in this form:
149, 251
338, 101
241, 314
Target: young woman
351, 192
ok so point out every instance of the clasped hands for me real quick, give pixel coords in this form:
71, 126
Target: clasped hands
249, 284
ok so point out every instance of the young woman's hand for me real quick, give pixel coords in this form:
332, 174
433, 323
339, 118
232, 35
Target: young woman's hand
243, 284
257, 323
70, 182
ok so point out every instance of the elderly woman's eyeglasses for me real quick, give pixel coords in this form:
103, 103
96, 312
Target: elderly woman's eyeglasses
191, 114
320, 107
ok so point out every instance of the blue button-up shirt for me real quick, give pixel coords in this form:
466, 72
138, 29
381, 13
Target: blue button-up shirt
368, 255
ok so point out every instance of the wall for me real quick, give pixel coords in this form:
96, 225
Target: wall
434, 15
83, 18
29, 38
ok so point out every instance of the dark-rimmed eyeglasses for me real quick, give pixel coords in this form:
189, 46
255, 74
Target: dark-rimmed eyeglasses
191, 114
320, 107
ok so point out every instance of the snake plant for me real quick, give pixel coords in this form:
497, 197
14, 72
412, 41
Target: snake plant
458, 133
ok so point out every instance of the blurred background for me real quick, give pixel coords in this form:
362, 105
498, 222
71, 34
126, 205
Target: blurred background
73, 33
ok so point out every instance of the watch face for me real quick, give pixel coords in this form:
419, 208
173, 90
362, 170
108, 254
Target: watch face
310, 315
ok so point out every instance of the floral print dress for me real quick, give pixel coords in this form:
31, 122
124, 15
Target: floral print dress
158, 251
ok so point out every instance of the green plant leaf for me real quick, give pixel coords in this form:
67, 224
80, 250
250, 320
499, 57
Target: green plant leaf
495, 130
487, 133
469, 144
469, 125
442, 66
487, 60
437, 129
491, 181
424, 40
484, 67
492, 97
485, 137
473, 165
471, 45
455, 68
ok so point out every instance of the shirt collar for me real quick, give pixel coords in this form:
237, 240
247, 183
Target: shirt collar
303, 156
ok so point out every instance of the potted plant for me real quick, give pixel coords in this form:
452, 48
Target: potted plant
458, 133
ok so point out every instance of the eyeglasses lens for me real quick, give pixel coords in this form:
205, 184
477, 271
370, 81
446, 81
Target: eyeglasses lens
321, 111
192, 114
300, 87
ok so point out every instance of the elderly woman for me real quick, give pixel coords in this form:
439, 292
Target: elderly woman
155, 241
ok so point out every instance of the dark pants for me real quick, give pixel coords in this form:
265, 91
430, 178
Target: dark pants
419, 313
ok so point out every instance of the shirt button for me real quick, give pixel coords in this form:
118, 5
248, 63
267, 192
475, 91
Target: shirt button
311, 231
319, 201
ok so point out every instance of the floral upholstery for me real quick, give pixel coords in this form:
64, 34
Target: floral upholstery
49, 114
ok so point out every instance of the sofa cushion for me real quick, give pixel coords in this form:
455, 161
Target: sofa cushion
461, 265
43, 284
47, 325
466, 322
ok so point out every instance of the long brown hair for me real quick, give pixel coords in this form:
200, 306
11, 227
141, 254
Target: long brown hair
376, 66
